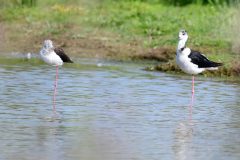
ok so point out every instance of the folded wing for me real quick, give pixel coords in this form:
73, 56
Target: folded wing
60, 52
202, 62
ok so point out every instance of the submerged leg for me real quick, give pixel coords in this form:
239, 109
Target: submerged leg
55, 90
192, 95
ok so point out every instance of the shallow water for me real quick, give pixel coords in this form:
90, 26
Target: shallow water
114, 111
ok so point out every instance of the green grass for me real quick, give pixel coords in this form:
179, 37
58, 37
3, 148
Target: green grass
159, 24
156, 24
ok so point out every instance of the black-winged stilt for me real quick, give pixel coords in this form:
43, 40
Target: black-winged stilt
55, 57
192, 62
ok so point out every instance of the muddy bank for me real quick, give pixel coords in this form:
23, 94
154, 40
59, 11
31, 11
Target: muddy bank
92, 45
100, 46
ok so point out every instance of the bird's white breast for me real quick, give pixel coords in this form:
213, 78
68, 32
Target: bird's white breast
50, 57
184, 62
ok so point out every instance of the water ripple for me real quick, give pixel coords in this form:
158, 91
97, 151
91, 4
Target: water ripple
114, 111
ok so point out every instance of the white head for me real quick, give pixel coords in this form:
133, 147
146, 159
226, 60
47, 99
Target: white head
183, 35
48, 44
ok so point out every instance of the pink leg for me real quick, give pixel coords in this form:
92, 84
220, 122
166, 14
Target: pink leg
55, 90
192, 95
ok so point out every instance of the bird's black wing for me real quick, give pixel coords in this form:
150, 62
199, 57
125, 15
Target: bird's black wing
60, 52
200, 60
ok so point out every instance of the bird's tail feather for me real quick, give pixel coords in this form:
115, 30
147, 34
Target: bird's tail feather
214, 66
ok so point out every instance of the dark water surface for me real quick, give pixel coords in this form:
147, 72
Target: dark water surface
115, 111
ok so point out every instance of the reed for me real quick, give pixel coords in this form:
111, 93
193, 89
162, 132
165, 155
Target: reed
18, 3
187, 2
29, 3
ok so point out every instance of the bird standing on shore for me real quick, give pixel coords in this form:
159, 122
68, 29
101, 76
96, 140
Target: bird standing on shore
192, 62
55, 57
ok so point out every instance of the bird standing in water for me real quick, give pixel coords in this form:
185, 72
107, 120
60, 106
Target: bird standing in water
55, 57
192, 62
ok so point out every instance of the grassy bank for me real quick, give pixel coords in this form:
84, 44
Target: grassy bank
124, 30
